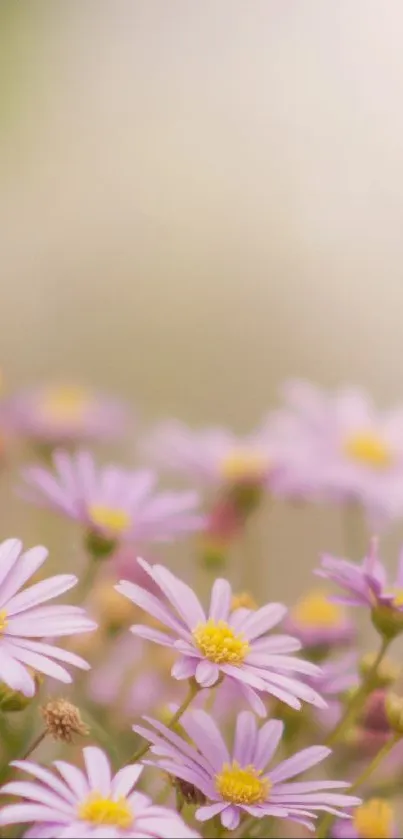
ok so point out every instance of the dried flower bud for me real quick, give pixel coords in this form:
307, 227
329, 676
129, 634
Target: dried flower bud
189, 792
63, 720
394, 712
386, 674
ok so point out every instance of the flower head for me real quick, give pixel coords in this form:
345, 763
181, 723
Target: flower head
319, 623
373, 819
223, 643
242, 781
91, 803
24, 619
63, 413
341, 447
366, 585
114, 504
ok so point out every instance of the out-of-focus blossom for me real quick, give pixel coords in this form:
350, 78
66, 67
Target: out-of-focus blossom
24, 619
319, 623
60, 414
91, 803
224, 643
340, 447
115, 505
373, 819
366, 585
239, 782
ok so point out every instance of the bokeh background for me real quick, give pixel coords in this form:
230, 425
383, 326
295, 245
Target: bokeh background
199, 200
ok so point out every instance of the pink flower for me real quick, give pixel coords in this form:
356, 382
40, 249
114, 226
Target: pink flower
341, 447
374, 817
364, 584
92, 803
239, 782
63, 413
318, 622
23, 618
226, 643
115, 505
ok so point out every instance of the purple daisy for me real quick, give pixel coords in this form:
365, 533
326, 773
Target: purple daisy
239, 783
372, 818
114, 504
59, 414
341, 447
90, 803
213, 456
24, 619
319, 623
226, 643
364, 584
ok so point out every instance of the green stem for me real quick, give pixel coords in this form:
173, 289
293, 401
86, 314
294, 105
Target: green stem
326, 821
193, 690
353, 705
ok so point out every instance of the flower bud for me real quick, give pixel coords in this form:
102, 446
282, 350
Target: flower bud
387, 620
98, 546
13, 700
63, 720
373, 715
394, 712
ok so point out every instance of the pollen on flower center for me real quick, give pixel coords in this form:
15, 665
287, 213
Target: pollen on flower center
219, 643
374, 820
397, 594
241, 785
105, 811
315, 610
65, 403
243, 466
3, 620
368, 449
111, 519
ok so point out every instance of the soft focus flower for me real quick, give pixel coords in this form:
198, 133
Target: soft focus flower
341, 447
319, 623
114, 504
373, 819
23, 618
238, 782
61, 414
90, 803
223, 643
366, 585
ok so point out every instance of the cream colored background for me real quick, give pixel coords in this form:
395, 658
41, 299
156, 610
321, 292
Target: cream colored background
201, 198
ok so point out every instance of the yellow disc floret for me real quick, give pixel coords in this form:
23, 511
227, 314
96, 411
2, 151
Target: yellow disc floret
316, 610
3, 620
369, 449
374, 819
242, 785
99, 810
112, 519
219, 643
65, 403
243, 465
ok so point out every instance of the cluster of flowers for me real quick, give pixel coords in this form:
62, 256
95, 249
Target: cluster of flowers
238, 693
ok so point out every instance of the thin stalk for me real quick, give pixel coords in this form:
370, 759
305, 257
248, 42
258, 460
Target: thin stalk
193, 690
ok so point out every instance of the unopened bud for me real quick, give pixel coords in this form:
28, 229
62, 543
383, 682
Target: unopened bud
189, 792
63, 720
386, 673
394, 712
98, 546
374, 715
387, 620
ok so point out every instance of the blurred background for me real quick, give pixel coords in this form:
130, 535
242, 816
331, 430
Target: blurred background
201, 199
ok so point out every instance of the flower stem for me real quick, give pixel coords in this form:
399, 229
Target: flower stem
327, 820
193, 690
354, 704
35, 744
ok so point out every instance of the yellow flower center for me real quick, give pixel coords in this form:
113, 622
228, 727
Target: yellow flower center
374, 819
315, 610
105, 811
368, 449
3, 620
219, 643
108, 518
397, 594
243, 600
241, 785
244, 465
65, 403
